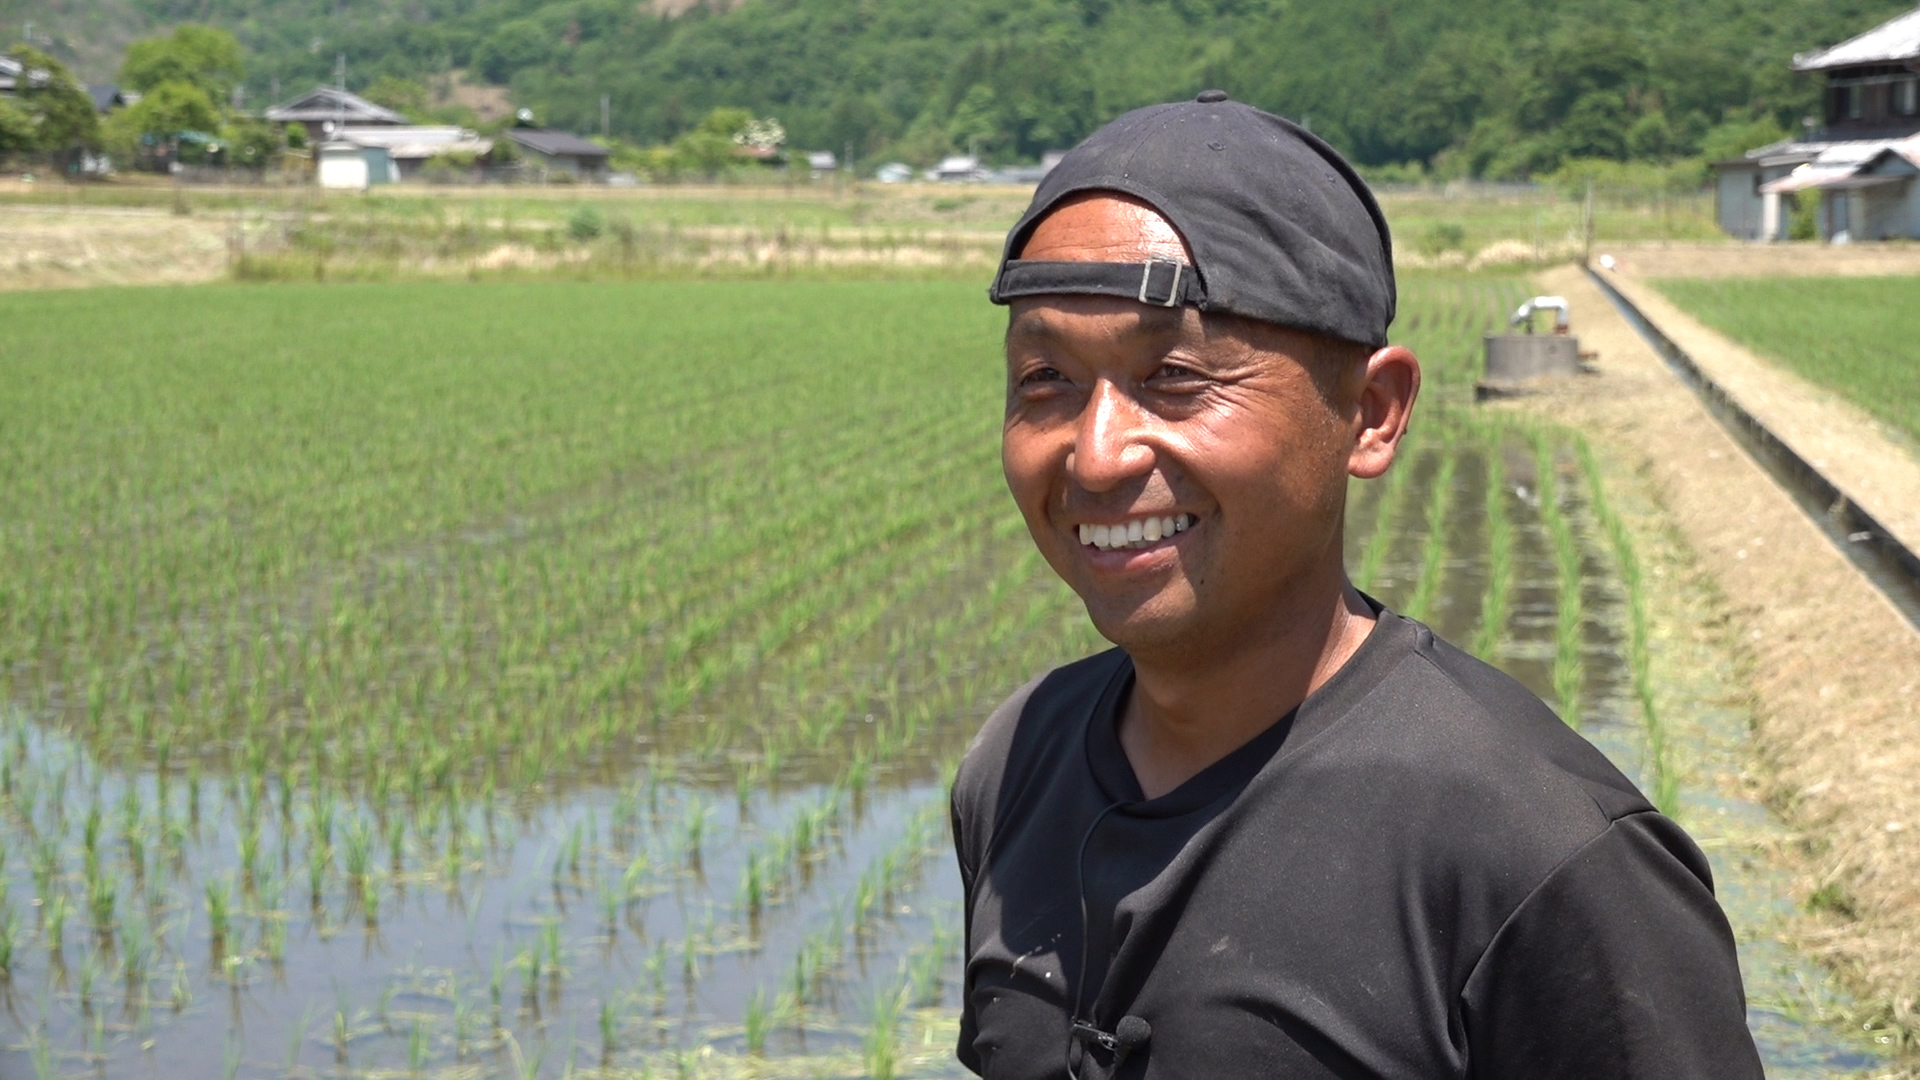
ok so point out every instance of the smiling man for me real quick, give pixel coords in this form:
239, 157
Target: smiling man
1280, 830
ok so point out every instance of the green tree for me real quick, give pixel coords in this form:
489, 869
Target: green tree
1596, 126
1650, 137
1448, 92
252, 144
59, 110
521, 43
16, 129
404, 96
201, 56
711, 148
164, 111
1735, 137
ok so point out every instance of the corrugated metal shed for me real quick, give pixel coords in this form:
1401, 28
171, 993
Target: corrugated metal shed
1889, 43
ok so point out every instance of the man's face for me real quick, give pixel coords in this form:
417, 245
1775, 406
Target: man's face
1126, 417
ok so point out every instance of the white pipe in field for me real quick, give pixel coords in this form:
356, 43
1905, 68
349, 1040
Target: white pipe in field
1556, 304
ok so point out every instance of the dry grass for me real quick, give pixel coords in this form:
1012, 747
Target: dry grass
55, 248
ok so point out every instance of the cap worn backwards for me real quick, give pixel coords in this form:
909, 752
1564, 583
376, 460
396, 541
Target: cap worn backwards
1281, 228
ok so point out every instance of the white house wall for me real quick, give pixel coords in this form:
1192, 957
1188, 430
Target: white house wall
343, 171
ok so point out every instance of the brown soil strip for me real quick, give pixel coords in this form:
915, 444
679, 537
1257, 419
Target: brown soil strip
1834, 668
1875, 465
1725, 259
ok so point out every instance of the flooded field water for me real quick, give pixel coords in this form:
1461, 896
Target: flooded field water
564, 792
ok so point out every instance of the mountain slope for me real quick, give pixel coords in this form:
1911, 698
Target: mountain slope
1502, 83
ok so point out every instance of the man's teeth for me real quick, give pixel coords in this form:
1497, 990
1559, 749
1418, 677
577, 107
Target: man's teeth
1137, 533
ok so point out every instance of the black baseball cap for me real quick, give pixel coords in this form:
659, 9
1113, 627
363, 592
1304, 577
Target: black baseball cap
1281, 228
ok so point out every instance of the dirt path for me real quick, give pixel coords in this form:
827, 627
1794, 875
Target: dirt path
1723, 259
1875, 465
51, 247
1835, 669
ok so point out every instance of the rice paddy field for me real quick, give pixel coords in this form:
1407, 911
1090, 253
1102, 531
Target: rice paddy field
1857, 336
545, 680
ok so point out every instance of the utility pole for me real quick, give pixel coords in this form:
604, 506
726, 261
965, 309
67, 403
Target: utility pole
606, 116
1588, 258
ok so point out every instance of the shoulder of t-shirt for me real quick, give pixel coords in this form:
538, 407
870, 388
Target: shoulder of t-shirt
1029, 730
1512, 778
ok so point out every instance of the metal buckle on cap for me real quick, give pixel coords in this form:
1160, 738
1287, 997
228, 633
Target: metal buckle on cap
1173, 290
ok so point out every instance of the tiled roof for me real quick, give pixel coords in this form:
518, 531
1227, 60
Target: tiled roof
1890, 42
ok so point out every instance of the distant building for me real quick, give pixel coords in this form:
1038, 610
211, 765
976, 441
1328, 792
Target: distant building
1862, 159
551, 151
959, 168
348, 166
821, 161
108, 98
409, 148
15, 77
328, 109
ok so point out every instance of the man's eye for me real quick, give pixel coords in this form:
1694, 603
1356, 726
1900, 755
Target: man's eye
1174, 371
1041, 375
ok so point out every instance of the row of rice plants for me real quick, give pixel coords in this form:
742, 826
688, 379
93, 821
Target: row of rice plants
1662, 773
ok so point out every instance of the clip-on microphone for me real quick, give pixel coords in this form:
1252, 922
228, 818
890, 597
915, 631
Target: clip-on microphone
1130, 1034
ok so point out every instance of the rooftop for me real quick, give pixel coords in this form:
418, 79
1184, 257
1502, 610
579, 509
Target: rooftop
556, 143
1891, 42
331, 103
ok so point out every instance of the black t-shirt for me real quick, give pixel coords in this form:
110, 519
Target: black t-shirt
1419, 872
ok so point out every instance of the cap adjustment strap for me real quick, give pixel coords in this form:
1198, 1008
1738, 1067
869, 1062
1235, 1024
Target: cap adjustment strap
1156, 282
1146, 279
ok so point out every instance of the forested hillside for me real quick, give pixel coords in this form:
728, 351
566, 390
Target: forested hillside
1495, 87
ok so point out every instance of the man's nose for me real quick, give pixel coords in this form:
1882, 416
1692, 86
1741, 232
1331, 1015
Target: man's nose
1107, 449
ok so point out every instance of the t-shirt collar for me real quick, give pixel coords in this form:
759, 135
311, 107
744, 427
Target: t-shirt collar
1392, 636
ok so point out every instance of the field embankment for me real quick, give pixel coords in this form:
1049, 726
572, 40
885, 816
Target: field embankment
1833, 669
1838, 382
133, 232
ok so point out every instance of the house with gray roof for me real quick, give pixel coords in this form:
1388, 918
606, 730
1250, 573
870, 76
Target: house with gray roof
551, 151
1862, 158
327, 109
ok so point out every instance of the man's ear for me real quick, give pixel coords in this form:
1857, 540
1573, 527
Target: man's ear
1382, 408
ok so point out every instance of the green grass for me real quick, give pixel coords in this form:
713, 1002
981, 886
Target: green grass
1859, 337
